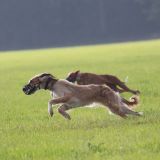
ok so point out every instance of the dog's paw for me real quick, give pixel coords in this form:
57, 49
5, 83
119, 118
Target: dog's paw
51, 113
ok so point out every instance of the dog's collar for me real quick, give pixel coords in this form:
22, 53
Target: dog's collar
47, 83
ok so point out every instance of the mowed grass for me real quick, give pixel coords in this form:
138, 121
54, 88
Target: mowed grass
27, 132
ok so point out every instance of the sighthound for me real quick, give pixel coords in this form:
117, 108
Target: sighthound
70, 95
90, 78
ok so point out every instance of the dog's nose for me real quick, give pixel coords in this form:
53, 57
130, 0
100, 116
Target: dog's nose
24, 89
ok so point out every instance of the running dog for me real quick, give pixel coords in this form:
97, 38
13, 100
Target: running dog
89, 78
70, 95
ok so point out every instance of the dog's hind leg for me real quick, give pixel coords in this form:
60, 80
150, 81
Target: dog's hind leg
115, 88
124, 109
116, 111
62, 110
116, 81
125, 88
115, 103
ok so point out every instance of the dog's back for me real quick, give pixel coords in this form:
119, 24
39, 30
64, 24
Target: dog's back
90, 78
71, 87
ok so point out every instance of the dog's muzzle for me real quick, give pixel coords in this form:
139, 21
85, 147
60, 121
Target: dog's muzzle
29, 89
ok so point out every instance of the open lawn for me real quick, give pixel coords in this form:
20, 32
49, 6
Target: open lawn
27, 132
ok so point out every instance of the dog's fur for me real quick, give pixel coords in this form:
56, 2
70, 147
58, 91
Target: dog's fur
89, 78
70, 95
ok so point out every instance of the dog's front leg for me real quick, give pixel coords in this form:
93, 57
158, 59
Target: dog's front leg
50, 110
57, 101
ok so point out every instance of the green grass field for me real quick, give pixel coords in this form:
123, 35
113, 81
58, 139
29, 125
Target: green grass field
27, 132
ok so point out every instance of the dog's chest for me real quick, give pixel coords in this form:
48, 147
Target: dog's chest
60, 91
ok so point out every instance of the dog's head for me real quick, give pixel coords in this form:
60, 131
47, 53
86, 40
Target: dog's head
40, 81
72, 77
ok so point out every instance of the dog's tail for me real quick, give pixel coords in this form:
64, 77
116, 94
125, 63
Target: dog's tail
134, 100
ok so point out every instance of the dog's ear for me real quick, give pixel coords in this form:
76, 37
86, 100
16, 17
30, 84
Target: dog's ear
76, 72
45, 76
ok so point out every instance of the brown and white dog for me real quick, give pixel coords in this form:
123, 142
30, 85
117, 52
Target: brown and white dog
90, 78
70, 95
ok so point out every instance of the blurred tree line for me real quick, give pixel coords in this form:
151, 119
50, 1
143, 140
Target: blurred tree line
51, 23
151, 9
